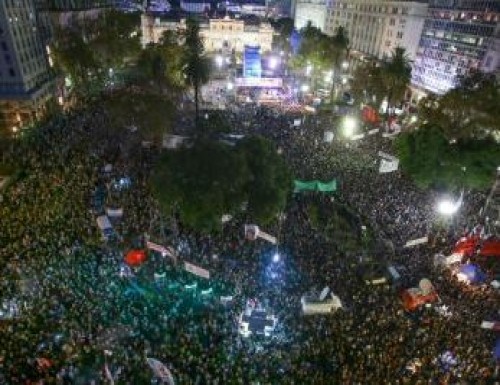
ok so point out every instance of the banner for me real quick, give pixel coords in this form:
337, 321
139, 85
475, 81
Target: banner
415, 242
315, 185
387, 166
160, 370
252, 232
388, 163
164, 251
114, 213
196, 270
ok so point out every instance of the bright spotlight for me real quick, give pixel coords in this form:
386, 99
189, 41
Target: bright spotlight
273, 62
219, 60
276, 257
447, 207
349, 126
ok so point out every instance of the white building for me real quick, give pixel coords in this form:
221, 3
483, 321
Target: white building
377, 27
195, 6
217, 34
313, 11
26, 78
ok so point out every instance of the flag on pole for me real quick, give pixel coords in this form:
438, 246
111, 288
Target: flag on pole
160, 371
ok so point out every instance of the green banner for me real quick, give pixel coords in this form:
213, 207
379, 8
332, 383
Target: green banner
315, 185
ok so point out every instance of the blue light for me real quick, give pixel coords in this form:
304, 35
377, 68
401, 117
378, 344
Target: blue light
276, 257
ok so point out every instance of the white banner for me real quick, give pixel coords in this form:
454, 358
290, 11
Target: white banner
387, 166
252, 232
114, 213
374, 131
164, 251
387, 156
196, 270
415, 242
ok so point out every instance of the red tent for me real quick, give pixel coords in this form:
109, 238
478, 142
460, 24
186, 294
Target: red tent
490, 248
135, 257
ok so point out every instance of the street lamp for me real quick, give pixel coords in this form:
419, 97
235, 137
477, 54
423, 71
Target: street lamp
349, 126
273, 62
345, 65
219, 60
308, 69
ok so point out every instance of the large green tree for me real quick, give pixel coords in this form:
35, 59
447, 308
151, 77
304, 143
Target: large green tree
471, 110
432, 160
89, 53
211, 179
148, 112
367, 84
396, 75
196, 65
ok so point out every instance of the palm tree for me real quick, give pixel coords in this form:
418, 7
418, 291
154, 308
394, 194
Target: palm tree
196, 65
396, 73
339, 49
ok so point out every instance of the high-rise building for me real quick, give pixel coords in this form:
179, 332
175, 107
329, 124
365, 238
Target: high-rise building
376, 27
310, 11
26, 78
456, 37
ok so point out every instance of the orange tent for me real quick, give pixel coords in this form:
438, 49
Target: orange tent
135, 257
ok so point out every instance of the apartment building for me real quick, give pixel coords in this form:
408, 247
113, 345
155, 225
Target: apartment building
310, 11
376, 27
26, 78
458, 35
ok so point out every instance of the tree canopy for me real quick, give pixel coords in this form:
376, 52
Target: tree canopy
433, 161
471, 110
90, 52
149, 113
211, 179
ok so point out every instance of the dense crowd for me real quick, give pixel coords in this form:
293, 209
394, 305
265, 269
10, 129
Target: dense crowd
78, 312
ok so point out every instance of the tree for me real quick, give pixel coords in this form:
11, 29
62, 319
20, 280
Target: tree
212, 179
147, 112
396, 74
338, 52
284, 29
116, 40
367, 83
90, 52
196, 65
468, 111
270, 179
204, 182
432, 161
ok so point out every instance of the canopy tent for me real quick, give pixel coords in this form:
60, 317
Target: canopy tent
135, 257
471, 273
315, 185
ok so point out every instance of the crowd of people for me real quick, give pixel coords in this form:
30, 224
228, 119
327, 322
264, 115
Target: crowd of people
83, 317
